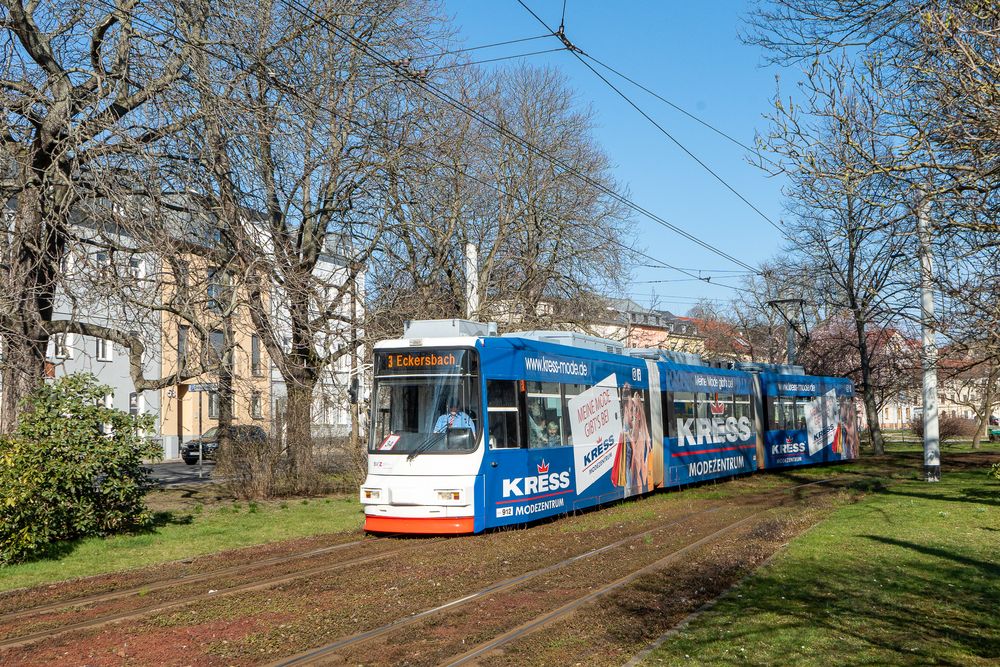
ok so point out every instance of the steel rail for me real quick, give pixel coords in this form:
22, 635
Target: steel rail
573, 605
159, 584
316, 655
100, 621
308, 657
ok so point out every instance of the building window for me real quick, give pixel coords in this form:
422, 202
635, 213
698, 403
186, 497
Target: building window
135, 404
66, 263
102, 258
213, 405
105, 350
136, 268
256, 405
217, 343
182, 345
62, 346
109, 403
255, 364
216, 288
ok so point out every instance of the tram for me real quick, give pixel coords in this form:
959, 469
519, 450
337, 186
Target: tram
471, 431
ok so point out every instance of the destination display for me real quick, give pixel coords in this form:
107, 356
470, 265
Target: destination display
418, 362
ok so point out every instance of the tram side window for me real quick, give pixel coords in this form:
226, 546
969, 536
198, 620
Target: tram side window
683, 408
501, 398
383, 415
569, 391
800, 413
724, 400
788, 413
742, 407
545, 415
775, 420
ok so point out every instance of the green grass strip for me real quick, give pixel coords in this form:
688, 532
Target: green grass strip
185, 533
907, 576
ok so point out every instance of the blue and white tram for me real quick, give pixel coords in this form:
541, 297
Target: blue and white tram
470, 432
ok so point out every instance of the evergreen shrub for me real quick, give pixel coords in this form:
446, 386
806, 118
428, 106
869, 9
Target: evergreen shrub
72, 468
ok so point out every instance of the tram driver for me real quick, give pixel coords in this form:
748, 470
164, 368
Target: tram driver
454, 418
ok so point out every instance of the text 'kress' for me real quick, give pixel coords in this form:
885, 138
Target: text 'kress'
717, 430
543, 482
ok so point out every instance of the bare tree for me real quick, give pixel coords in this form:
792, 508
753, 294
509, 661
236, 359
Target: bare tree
547, 241
761, 326
84, 89
302, 130
969, 283
935, 66
847, 223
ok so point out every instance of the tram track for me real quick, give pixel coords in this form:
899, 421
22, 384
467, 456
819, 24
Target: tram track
134, 613
565, 610
163, 583
318, 655
309, 657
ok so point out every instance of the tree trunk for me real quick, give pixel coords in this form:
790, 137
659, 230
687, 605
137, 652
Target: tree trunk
298, 430
986, 410
23, 368
867, 391
25, 338
225, 391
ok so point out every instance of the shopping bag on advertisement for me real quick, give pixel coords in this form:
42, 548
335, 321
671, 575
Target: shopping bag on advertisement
838, 438
618, 473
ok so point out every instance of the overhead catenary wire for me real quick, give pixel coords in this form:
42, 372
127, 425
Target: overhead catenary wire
450, 100
497, 59
294, 93
289, 90
578, 54
479, 48
672, 105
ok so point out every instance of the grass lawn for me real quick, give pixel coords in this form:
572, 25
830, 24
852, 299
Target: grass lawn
189, 523
907, 576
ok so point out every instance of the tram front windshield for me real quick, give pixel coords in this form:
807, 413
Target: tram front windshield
425, 401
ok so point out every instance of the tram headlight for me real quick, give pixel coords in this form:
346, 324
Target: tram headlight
371, 494
449, 494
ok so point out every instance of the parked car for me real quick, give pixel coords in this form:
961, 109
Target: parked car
209, 441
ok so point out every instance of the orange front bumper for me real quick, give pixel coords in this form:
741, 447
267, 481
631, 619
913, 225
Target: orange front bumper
419, 526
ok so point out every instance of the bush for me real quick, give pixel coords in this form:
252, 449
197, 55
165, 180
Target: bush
72, 468
949, 428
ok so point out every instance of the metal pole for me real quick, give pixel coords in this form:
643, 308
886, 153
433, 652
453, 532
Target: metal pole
928, 357
790, 342
201, 457
782, 306
471, 280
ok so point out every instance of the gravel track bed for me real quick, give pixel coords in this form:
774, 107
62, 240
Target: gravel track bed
264, 625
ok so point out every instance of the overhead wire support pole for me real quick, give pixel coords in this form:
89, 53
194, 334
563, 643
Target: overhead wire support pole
781, 305
928, 355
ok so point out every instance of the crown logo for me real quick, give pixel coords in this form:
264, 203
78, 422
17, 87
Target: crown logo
717, 408
543, 467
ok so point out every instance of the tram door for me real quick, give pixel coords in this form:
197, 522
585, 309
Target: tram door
503, 408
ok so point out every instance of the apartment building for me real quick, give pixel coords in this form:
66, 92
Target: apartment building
101, 283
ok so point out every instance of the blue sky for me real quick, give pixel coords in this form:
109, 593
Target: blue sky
689, 53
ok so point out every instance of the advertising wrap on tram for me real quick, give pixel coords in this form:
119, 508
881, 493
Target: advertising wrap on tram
810, 420
586, 437
709, 424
